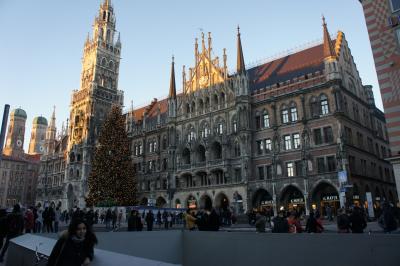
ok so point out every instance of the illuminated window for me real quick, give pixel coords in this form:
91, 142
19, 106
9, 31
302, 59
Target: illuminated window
289, 169
296, 140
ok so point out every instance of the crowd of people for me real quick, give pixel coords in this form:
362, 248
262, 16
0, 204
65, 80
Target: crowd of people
348, 220
79, 235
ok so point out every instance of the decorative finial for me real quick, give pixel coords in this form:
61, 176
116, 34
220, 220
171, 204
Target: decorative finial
323, 20
238, 29
173, 59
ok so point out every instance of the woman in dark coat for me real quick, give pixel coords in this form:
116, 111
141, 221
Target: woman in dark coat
75, 247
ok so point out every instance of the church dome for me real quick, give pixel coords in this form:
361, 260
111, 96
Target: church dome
40, 120
18, 112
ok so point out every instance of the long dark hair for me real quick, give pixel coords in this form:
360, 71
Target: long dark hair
90, 236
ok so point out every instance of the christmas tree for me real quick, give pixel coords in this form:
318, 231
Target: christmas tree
112, 180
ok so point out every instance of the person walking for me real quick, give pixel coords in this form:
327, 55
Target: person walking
39, 221
75, 247
149, 220
165, 220
313, 225
57, 218
119, 218
190, 220
15, 227
294, 223
387, 220
29, 221
159, 219
280, 223
114, 219
357, 221
261, 220
343, 221
108, 218
132, 221
3, 226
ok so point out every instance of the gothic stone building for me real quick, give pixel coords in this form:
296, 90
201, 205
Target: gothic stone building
66, 164
19, 170
275, 135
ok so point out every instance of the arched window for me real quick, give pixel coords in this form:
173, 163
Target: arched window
77, 173
103, 62
204, 130
187, 108
108, 36
234, 124
237, 149
324, 105
265, 119
293, 112
200, 106
207, 104
314, 107
219, 127
191, 134
215, 101
111, 65
284, 114
193, 107
222, 99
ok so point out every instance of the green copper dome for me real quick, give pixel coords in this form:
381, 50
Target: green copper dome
18, 112
40, 120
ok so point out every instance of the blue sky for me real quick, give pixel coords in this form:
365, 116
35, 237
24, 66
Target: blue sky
42, 42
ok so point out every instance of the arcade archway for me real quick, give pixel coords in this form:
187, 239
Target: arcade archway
161, 202
325, 199
292, 199
205, 202
221, 201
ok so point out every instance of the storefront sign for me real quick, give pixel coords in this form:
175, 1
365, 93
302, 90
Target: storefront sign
298, 200
330, 198
267, 202
356, 197
368, 195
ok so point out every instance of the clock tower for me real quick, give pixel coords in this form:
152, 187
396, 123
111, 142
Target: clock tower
91, 103
38, 135
16, 133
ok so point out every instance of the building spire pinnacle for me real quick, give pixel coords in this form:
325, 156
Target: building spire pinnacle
53, 118
329, 50
172, 85
240, 67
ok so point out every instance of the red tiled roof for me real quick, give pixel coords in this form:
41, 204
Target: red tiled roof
288, 67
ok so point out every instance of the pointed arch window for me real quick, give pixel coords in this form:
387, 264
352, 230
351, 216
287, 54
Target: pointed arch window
314, 107
293, 112
265, 119
324, 105
234, 125
284, 114
237, 149
204, 130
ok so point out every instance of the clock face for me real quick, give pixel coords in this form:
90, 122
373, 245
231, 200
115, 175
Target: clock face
41, 148
19, 143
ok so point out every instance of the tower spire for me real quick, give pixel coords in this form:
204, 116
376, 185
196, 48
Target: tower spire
329, 51
172, 85
240, 67
53, 118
